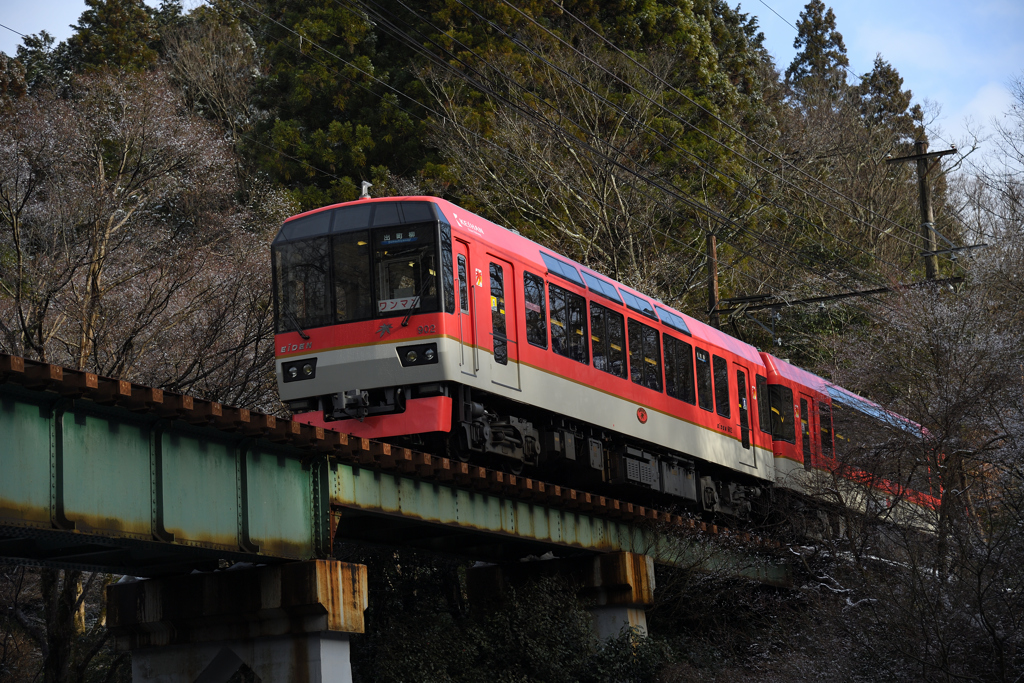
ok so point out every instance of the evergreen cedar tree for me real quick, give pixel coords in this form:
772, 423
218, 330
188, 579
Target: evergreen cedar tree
318, 110
821, 52
335, 117
115, 32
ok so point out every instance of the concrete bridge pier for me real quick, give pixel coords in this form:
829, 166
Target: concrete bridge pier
622, 588
276, 623
619, 586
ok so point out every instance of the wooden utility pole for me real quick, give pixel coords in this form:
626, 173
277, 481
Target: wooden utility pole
712, 248
922, 157
924, 195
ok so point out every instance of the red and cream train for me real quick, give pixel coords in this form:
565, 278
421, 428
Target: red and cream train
412, 317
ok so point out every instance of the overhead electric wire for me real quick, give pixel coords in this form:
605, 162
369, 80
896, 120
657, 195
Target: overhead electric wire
13, 31
707, 135
659, 185
403, 35
439, 115
689, 247
739, 132
703, 164
848, 70
725, 264
483, 88
502, 150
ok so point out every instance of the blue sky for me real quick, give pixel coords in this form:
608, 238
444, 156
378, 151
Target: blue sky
958, 55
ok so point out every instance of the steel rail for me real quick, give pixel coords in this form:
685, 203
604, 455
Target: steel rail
150, 481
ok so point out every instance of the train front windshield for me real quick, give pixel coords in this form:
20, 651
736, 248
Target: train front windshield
353, 274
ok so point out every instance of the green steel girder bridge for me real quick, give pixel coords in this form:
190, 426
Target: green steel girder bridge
102, 474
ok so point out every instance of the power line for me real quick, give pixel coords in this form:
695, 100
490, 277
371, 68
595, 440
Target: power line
689, 123
504, 151
757, 144
699, 206
557, 128
857, 76
692, 248
438, 114
13, 31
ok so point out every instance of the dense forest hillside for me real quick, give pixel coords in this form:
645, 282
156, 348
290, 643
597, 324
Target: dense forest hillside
147, 161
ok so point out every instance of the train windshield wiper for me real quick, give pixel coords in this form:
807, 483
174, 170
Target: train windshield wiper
416, 301
295, 322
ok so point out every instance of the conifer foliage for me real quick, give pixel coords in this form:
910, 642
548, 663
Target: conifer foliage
115, 33
146, 163
822, 52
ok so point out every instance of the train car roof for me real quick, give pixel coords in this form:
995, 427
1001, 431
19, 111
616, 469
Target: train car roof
525, 247
795, 374
840, 395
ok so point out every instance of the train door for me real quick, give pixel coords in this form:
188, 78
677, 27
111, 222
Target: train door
505, 361
808, 429
468, 362
743, 403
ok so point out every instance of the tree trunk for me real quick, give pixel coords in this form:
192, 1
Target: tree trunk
59, 600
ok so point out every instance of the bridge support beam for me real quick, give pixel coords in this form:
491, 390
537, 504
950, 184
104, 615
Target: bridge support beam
619, 586
287, 622
622, 587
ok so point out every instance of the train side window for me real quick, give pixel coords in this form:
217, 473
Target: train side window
721, 367
447, 269
498, 314
536, 310
805, 430
568, 324
679, 370
607, 336
302, 274
704, 398
825, 417
463, 285
644, 355
781, 401
764, 410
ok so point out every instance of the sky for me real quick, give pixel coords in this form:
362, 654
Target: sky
960, 56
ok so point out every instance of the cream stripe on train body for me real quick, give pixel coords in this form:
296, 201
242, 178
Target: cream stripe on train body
377, 366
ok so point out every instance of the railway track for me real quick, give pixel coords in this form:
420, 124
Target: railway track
347, 449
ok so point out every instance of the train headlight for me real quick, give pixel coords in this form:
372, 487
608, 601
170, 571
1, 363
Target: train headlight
420, 354
298, 370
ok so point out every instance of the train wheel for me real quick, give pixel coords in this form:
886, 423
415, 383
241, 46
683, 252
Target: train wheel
450, 446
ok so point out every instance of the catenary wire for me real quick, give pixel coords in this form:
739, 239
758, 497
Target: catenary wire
666, 235
800, 171
659, 185
439, 115
703, 164
704, 133
852, 73
13, 31
398, 32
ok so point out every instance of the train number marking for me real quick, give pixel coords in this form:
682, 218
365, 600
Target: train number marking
724, 428
426, 329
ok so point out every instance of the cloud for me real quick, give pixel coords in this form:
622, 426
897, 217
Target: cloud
990, 101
